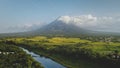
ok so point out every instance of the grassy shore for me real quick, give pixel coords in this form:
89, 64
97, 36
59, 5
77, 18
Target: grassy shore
70, 51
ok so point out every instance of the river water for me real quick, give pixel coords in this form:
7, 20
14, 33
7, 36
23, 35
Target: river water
46, 62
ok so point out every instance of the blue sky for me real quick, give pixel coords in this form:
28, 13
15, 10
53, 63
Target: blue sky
17, 13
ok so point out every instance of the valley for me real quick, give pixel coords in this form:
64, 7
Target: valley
72, 52
66, 45
59, 34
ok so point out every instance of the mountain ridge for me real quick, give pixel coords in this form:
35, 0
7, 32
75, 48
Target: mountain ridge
60, 27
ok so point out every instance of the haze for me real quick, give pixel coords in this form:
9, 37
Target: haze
25, 15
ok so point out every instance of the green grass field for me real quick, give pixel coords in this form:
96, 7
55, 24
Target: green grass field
73, 47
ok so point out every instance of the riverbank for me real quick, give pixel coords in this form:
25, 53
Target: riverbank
68, 62
13, 57
46, 62
71, 51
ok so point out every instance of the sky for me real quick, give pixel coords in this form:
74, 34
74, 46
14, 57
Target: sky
22, 15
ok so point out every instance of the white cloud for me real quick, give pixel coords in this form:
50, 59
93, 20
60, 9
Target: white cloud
25, 27
89, 21
93, 22
65, 19
83, 20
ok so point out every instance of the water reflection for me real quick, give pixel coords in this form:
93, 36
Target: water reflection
46, 62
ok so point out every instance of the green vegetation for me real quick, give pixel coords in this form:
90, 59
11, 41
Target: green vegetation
103, 51
12, 56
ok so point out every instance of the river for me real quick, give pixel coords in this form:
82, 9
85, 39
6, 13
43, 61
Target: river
46, 62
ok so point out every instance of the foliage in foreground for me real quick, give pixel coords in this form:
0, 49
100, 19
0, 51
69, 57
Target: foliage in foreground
13, 57
103, 52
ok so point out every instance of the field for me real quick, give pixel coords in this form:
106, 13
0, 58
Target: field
75, 48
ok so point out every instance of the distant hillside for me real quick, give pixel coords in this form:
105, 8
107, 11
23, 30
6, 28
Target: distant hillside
58, 27
61, 28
